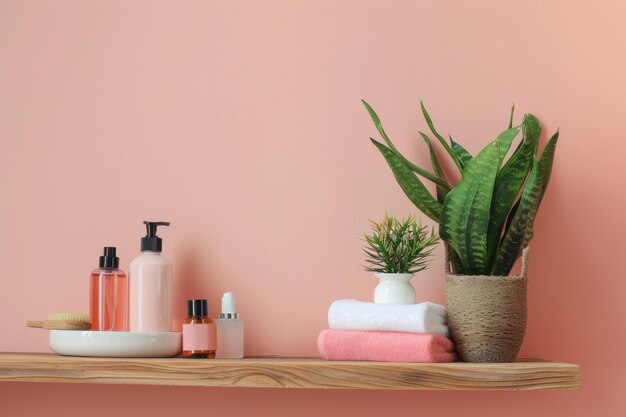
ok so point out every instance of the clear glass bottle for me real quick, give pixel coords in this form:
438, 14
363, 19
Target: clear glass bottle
229, 330
108, 301
199, 333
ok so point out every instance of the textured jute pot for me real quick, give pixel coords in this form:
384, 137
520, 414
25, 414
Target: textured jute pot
487, 314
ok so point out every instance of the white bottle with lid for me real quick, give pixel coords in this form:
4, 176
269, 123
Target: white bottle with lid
229, 330
150, 286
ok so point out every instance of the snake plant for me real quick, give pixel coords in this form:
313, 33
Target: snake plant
487, 218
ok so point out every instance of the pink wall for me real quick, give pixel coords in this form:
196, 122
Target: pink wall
240, 122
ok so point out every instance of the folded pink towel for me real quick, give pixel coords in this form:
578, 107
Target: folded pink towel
358, 345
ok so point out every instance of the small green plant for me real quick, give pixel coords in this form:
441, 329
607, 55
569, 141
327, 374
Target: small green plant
399, 246
487, 218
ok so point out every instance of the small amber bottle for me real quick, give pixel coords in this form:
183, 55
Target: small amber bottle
199, 332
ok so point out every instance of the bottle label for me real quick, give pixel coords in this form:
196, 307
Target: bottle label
199, 336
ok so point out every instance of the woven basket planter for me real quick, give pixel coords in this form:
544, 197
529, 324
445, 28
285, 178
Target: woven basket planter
487, 314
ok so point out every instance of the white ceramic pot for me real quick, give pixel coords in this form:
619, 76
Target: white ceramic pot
394, 289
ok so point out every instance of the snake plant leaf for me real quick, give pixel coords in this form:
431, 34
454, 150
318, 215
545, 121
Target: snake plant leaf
465, 213
511, 118
505, 139
531, 134
421, 171
545, 162
441, 192
463, 155
509, 219
545, 166
516, 236
440, 138
508, 184
410, 184
531, 130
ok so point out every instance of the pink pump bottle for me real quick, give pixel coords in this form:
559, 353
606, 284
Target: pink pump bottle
150, 285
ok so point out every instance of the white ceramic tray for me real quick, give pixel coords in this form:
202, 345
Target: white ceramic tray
116, 344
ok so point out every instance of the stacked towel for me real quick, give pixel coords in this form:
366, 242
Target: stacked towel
356, 345
414, 318
386, 332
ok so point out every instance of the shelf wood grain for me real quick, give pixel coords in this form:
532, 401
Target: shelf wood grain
289, 373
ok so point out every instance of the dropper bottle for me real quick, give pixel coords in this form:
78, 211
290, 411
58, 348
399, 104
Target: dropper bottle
229, 330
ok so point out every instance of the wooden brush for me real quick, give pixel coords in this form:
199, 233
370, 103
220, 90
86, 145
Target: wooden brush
63, 321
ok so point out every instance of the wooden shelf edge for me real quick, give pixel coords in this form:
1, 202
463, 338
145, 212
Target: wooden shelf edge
290, 373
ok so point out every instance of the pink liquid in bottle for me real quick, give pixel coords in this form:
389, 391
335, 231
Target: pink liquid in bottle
108, 303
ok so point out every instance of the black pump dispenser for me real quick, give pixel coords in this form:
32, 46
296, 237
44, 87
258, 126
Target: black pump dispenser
109, 260
151, 242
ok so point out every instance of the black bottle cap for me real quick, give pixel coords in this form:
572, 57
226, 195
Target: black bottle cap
109, 260
151, 242
197, 308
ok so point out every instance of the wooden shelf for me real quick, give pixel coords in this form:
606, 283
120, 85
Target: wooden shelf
289, 373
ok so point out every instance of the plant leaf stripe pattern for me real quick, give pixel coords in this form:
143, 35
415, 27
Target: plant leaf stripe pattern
508, 184
421, 171
434, 161
546, 161
440, 138
513, 240
410, 184
545, 168
463, 155
465, 214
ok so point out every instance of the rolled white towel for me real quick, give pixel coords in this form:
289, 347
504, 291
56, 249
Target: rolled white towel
415, 318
